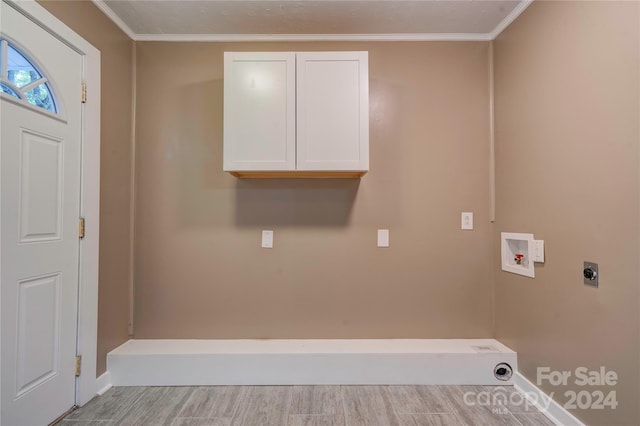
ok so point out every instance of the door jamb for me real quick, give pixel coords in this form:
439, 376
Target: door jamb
87, 339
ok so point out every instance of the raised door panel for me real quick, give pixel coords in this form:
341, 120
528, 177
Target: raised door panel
40, 187
332, 111
38, 331
259, 111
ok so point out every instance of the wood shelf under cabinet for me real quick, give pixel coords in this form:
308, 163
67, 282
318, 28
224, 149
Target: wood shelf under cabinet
300, 174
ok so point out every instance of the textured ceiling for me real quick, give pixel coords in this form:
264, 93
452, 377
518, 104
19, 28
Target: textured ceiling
311, 16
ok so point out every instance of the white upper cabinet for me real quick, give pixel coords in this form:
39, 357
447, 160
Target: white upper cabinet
259, 111
302, 114
332, 111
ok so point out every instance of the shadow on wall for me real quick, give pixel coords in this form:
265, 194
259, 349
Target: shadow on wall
210, 197
294, 202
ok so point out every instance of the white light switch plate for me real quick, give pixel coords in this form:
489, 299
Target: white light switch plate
267, 239
466, 221
538, 251
383, 238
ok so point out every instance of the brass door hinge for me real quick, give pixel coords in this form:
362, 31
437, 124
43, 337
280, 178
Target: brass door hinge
84, 92
81, 228
78, 364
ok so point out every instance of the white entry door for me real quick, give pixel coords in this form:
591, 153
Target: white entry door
41, 131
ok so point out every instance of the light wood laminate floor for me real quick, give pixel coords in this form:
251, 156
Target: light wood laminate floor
309, 406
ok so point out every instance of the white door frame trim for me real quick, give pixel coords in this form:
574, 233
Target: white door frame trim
86, 384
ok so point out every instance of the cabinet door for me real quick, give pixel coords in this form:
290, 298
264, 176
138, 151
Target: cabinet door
259, 111
332, 111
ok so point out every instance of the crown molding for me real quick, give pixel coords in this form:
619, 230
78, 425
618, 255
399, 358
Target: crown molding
312, 37
100, 4
104, 8
509, 18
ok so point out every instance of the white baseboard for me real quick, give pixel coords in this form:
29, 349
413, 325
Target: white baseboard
103, 383
550, 408
308, 362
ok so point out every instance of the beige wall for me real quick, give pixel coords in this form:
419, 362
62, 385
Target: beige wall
567, 152
200, 272
115, 166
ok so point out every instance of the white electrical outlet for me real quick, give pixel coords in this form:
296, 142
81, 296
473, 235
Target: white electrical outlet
383, 238
267, 239
467, 221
